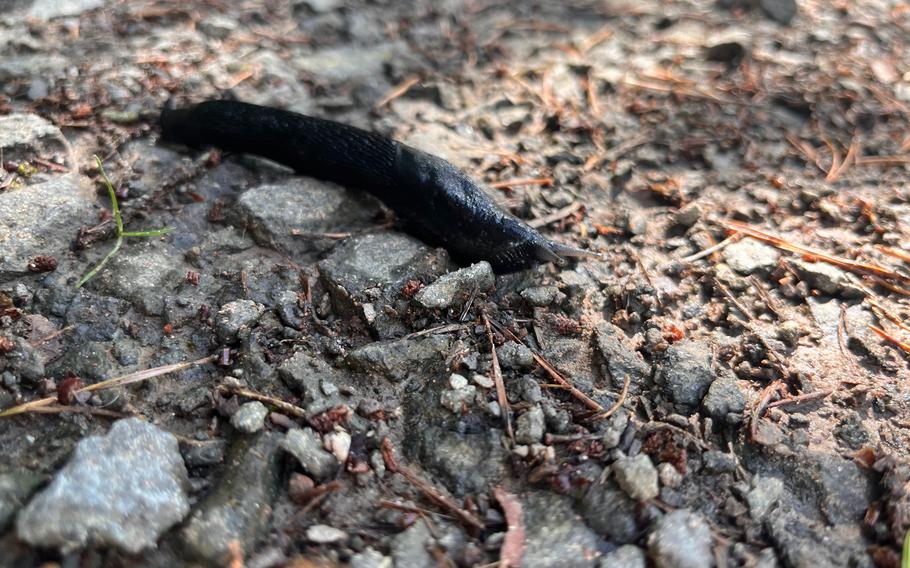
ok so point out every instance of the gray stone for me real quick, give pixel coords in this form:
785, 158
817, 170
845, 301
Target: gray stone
716, 461
464, 462
15, 488
400, 358
779, 10
290, 216
681, 539
620, 357
724, 396
205, 453
238, 509
305, 445
250, 417
324, 534
236, 315
49, 9
483, 381
365, 262
688, 215
42, 219
288, 309
142, 274
555, 535
852, 432
637, 476
351, 62
24, 361
669, 475
818, 483
365, 273
530, 426
123, 489
37, 89
457, 381
764, 495
216, 26
749, 256
371, 558
685, 372
515, 355
822, 276
626, 556
320, 6
24, 67
615, 427
307, 375
806, 543
89, 360
456, 286
24, 137
458, 400
610, 512
541, 296
410, 548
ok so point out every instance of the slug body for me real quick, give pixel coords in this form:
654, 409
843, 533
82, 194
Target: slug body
436, 201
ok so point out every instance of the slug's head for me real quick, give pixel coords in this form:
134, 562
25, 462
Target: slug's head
528, 248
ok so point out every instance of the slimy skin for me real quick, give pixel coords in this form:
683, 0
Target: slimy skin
436, 201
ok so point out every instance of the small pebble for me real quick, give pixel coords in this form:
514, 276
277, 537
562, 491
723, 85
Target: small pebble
637, 476
324, 534
250, 417
484, 381
457, 381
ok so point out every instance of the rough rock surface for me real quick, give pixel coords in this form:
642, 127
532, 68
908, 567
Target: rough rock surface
42, 219
123, 489
239, 507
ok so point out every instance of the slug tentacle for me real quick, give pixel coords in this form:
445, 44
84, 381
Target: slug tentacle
435, 200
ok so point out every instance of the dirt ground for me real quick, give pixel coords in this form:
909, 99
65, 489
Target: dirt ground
301, 386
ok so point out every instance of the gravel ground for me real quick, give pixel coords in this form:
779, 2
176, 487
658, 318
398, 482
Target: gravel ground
308, 386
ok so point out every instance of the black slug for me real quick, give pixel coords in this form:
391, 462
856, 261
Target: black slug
436, 201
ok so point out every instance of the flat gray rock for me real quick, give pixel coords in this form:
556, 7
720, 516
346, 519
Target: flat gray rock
686, 372
367, 273
556, 536
305, 445
49, 9
681, 539
42, 219
123, 489
28, 136
142, 273
637, 476
457, 286
293, 215
351, 62
749, 256
620, 357
397, 359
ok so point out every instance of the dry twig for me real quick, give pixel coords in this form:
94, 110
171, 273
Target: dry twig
110, 383
500, 385
466, 517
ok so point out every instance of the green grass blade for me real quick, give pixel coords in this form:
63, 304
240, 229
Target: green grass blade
113, 195
91, 273
121, 234
152, 233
